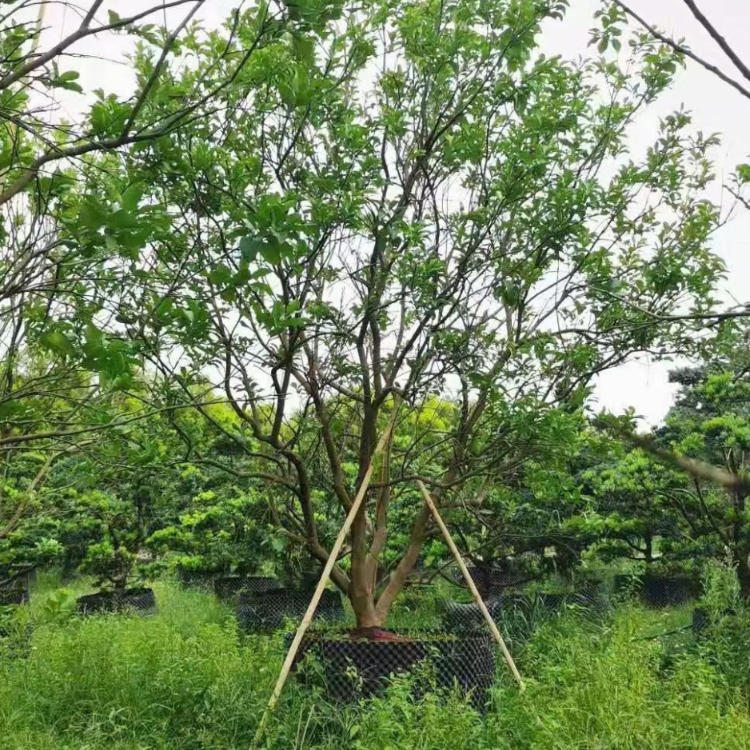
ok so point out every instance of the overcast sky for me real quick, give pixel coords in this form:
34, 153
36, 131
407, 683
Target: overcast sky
716, 108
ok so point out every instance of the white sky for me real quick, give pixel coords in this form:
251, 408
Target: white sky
715, 106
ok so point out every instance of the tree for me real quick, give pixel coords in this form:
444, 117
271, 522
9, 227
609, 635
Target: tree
711, 422
738, 66
413, 204
705, 440
64, 353
647, 512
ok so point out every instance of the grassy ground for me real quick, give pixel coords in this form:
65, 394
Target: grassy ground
187, 679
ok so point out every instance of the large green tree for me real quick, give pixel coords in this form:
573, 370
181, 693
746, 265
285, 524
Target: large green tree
412, 201
393, 205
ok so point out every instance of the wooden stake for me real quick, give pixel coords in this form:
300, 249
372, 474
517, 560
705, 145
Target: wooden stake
335, 550
470, 582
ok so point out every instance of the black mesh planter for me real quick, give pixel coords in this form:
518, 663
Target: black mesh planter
467, 617
510, 612
137, 601
268, 611
551, 602
592, 597
492, 581
667, 591
360, 668
16, 592
229, 588
701, 620
195, 579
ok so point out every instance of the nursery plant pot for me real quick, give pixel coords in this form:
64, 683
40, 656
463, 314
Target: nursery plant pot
511, 612
492, 580
356, 668
467, 617
195, 579
551, 602
229, 588
270, 610
15, 592
140, 601
667, 591
591, 596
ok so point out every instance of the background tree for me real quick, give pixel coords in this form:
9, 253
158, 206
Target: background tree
705, 441
647, 511
711, 421
64, 352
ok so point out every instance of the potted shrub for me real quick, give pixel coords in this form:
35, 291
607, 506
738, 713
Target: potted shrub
22, 554
114, 557
30, 525
220, 540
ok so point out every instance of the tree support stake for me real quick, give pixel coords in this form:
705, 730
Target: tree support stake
470, 582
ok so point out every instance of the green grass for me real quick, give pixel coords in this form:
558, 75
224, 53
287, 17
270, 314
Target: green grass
187, 680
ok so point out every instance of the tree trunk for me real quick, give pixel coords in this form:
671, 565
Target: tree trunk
361, 590
741, 550
743, 573
648, 539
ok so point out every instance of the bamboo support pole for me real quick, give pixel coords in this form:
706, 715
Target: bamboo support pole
470, 582
332, 557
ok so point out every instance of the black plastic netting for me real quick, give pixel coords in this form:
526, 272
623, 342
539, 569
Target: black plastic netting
354, 669
230, 588
658, 591
271, 610
196, 579
138, 601
592, 597
701, 620
16, 590
513, 609
14, 593
663, 591
491, 581
460, 616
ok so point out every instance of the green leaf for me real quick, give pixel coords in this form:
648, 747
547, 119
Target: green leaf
221, 275
131, 196
111, 244
58, 342
305, 49
250, 247
67, 81
271, 253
